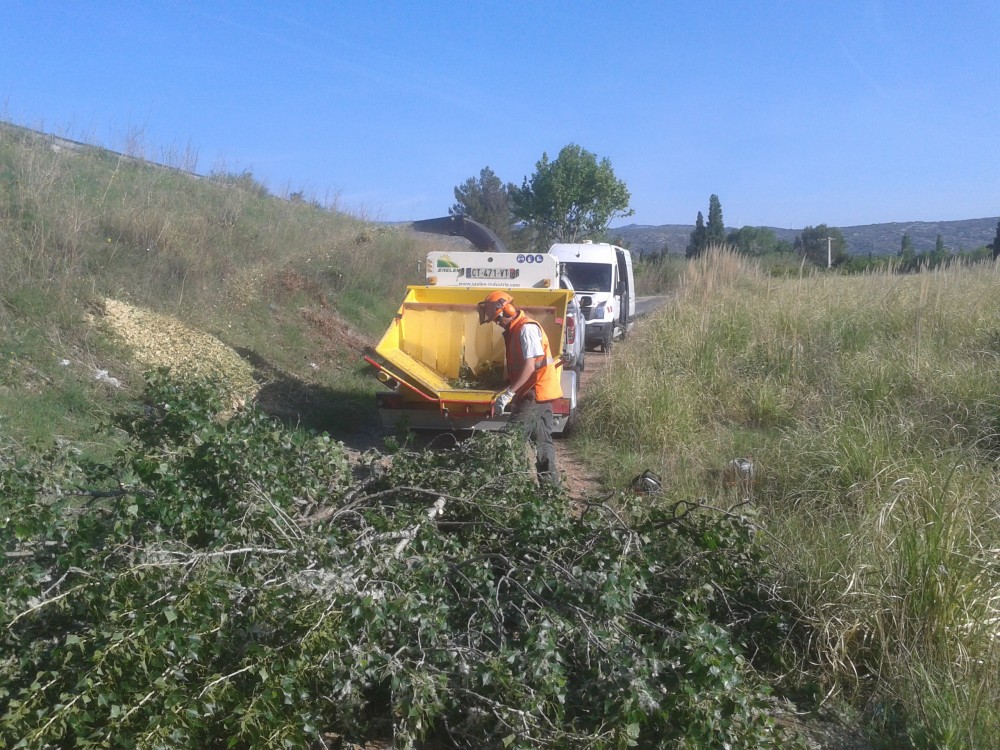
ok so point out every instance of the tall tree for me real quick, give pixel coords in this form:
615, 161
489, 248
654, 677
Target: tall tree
699, 239
715, 230
486, 199
995, 247
757, 241
571, 198
906, 246
816, 242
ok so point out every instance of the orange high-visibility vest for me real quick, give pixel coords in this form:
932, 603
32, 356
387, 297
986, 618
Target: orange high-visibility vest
545, 380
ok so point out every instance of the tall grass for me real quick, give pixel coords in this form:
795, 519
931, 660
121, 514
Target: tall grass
275, 278
870, 408
657, 276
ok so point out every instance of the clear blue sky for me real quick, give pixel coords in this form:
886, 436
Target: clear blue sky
794, 113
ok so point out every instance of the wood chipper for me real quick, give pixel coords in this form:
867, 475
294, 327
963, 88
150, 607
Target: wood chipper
443, 369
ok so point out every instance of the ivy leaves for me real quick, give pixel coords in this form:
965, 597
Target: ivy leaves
228, 582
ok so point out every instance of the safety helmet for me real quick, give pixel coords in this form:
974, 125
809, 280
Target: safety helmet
496, 304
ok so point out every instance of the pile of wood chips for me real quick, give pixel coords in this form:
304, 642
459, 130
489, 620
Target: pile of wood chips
162, 341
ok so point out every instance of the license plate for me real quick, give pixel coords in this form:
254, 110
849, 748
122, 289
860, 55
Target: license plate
492, 273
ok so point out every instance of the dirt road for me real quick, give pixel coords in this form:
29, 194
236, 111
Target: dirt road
581, 481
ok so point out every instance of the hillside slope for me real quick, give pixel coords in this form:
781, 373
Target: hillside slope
296, 288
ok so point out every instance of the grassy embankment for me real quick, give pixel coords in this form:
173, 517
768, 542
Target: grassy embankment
269, 277
870, 407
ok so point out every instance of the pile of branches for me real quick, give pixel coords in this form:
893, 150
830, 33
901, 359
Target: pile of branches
232, 583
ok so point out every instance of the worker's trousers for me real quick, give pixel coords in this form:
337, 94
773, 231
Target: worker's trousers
534, 420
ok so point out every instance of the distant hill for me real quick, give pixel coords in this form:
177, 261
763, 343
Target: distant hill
878, 239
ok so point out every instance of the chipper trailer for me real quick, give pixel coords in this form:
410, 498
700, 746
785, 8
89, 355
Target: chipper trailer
443, 369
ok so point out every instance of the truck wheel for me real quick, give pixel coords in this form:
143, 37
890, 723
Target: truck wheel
570, 424
581, 361
608, 338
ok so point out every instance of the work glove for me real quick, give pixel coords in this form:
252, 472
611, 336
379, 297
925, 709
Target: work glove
502, 400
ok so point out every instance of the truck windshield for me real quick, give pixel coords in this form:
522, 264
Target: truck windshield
589, 277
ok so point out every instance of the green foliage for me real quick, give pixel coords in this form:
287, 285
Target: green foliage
757, 241
699, 239
271, 278
243, 180
486, 199
715, 229
869, 407
823, 246
712, 234
658, 273
229, 583
571, 198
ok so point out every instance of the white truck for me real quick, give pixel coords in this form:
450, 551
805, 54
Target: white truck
602, 276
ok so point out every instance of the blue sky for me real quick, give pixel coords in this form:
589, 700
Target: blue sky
794, 113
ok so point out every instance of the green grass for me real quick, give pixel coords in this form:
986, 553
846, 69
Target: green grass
870, 406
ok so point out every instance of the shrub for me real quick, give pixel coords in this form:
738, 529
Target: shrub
227, 581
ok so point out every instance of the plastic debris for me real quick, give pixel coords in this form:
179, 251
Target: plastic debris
103, 376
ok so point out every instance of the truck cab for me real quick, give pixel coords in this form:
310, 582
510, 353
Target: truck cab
602, 276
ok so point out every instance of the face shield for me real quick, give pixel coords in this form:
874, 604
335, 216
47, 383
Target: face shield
496, 304
489, 311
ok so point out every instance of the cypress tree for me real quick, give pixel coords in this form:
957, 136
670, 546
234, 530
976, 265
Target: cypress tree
716, 229
699, 238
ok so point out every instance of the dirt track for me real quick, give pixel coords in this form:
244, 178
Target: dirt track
579, 478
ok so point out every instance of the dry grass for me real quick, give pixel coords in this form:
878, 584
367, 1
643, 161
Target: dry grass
267, 277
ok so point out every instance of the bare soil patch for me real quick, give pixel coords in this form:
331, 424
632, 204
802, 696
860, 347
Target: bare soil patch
578, 476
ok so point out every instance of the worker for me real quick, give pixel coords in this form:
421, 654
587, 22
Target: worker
533, 375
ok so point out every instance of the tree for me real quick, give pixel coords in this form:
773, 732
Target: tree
715, 230
571, 198
757, 241
486, 199
940, 255
906, 246
714, 233
650, 257
995, 246
814, 245
699, 239
908, 260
